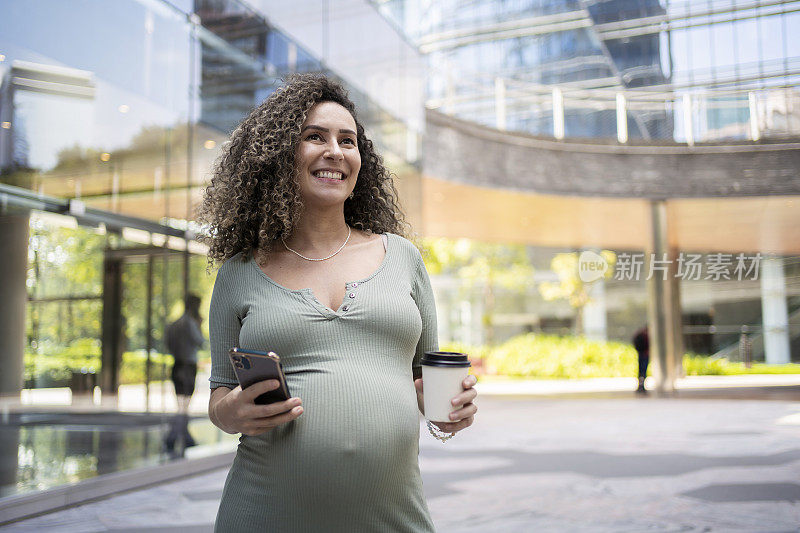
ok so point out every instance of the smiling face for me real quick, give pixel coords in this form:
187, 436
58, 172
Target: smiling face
327, 159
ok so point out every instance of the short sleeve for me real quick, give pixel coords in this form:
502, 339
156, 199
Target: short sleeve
423, 296
224, 324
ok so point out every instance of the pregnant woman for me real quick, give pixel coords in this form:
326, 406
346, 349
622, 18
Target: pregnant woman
304, 218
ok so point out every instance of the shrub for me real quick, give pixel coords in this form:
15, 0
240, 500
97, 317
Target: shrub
134, 365
55, 369
550, 356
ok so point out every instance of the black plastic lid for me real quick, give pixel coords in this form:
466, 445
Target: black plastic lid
449, 359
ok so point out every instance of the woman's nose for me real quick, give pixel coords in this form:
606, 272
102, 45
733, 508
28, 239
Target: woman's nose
334, 152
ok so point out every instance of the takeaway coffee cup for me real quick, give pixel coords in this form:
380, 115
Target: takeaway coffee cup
442, 374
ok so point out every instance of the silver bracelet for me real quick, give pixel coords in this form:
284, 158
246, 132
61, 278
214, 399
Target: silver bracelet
438, 434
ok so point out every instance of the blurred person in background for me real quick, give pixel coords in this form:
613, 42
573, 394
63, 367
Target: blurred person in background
641, 343
304, 217
183, 339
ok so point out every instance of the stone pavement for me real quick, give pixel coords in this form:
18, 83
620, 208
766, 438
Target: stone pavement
593, 464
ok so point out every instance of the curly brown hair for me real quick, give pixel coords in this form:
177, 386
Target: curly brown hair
253, 198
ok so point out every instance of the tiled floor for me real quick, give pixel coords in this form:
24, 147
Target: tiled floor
625, 464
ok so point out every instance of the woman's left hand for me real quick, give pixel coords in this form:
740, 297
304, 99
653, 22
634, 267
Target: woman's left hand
464, 416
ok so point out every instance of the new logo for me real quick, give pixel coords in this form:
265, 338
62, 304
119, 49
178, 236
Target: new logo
591, 266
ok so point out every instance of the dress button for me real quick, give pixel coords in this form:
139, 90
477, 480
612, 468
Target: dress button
352, 295
344, 308
354, 285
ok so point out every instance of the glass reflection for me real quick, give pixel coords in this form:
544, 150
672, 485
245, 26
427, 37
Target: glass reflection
52, 449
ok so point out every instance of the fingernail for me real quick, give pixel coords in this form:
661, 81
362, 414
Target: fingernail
454, 402
297, 410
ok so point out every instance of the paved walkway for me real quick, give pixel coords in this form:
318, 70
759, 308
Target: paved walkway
594, 464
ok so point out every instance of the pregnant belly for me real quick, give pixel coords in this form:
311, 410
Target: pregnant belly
355, 430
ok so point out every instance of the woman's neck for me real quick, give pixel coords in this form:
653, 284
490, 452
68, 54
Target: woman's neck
319, 232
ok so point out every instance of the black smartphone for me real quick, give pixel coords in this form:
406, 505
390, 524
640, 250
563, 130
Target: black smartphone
252, 366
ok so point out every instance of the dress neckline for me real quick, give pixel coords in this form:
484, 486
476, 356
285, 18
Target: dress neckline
308, 294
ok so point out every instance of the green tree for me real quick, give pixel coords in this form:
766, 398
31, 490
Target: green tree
486, 265
570, 286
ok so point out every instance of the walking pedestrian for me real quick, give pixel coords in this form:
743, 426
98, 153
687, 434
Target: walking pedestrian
183, 339
641, 343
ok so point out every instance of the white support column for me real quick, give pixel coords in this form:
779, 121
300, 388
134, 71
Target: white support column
500, 103
594, 312
775, 315
688, 119
622, 119
755, 131
558, 113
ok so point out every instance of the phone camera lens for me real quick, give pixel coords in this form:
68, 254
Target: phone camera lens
237, 364
236, 358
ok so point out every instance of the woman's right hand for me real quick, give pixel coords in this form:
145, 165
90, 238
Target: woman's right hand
237, 412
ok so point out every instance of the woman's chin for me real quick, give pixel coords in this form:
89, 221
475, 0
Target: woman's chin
324, 201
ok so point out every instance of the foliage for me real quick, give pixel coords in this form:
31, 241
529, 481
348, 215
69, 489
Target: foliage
552, 357
477, 263
474, 352
134, 367
84, 355
54, 370
570, 286
700, 365
485, 265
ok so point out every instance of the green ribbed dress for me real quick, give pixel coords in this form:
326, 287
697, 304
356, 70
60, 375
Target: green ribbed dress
349, 463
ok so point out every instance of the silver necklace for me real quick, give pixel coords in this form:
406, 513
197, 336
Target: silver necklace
349, 232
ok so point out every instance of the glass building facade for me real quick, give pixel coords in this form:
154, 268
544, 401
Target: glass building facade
670, 70
654, 73
111, 116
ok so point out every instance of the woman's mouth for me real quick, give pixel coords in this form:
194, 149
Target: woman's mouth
328, 175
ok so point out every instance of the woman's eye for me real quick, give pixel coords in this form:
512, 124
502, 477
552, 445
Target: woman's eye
314, 136
349, 140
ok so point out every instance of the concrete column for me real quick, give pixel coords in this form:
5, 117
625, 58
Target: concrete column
594, 312
13, 274
663, 305
774, 312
